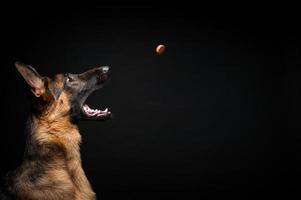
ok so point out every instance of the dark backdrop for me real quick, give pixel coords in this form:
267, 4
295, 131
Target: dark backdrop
217, 113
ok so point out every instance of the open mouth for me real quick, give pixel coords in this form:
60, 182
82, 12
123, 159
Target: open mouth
95, 113
102, 75
91, 113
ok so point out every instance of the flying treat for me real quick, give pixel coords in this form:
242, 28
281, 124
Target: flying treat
160, 49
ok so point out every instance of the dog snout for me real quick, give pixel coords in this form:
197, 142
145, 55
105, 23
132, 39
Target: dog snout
105, 69
103, 74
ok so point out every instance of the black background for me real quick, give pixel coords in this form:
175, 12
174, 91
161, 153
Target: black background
217, 114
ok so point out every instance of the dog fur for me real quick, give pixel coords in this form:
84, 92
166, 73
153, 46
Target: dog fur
52, 168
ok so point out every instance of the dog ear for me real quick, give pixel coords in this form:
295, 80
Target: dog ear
32, 77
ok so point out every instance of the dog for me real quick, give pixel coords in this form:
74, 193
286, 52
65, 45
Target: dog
51, 169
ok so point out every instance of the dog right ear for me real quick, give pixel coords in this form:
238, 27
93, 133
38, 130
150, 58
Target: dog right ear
32, 77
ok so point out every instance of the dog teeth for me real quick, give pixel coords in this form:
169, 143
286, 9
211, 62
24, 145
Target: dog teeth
95, 112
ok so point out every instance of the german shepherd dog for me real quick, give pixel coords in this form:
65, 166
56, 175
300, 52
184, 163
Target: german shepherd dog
52, 168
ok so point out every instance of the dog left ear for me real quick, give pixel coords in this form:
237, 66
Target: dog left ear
32, 77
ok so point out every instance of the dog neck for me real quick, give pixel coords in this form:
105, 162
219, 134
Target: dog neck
58, 130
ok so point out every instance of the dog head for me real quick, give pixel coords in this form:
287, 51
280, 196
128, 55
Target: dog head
65, 94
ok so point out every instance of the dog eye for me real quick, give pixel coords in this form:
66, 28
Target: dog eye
68, 79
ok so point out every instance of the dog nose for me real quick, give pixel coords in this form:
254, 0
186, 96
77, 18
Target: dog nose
105, 69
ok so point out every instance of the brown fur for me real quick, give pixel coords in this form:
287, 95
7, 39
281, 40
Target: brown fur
52, 168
